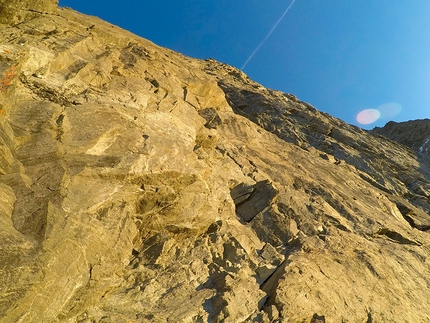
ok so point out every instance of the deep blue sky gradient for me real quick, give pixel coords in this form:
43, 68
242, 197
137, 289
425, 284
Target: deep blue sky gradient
341, 56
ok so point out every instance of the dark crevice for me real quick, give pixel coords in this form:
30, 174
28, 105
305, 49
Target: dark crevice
318, 318
274, 277
60, 131
185, 93
412, 223
419, 222
372, 182
233, 159
155, 83
397, 237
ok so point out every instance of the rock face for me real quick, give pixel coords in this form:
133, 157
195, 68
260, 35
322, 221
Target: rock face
15, 11
413, 134
139, 185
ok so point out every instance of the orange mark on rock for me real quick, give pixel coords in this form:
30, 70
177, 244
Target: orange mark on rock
9, 74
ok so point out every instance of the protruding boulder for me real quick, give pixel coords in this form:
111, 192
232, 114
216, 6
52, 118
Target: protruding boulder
252, 200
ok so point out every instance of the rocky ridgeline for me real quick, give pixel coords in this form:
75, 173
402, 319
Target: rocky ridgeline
413, 134
140, 185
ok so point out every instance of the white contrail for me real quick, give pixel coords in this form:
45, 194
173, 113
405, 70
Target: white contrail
268, 35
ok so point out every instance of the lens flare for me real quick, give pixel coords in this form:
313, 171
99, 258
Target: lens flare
368, 116
389, 110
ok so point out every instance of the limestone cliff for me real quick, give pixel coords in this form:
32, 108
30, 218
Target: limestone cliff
140, 185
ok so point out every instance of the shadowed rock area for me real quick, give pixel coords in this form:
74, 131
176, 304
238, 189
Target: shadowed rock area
414, 134
140, 185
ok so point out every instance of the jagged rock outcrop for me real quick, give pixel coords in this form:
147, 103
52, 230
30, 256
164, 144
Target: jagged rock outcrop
414, 134
140, 185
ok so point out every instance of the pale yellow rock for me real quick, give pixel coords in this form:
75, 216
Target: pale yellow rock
15, 11
140, 185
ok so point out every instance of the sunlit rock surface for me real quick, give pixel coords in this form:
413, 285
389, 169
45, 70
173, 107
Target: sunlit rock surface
140, 185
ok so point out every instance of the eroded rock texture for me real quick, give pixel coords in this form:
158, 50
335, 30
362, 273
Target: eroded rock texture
139, 185
15, 11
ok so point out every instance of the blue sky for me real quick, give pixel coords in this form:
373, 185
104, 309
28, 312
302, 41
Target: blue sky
341, 56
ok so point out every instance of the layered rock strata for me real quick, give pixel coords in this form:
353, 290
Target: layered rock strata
140, 185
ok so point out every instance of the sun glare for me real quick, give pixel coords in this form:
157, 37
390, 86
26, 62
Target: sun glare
389, 110
368, 116
385, 111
